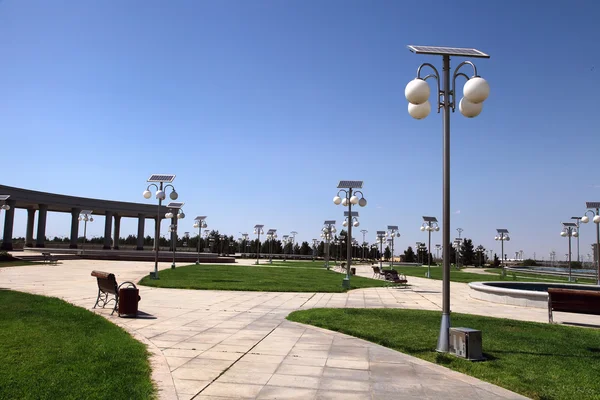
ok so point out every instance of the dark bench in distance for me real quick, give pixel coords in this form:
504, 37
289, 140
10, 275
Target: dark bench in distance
49, 258
107, 287
573, 301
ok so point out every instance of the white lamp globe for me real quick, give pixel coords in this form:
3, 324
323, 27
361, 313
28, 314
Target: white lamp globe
575, 234
437, 228
419, 111
255, 232
86, 218
507, 238
196, 225
147, 194
597, 219
356, 224
496, 238
417, 91
362, 202
337, 200
173, 195
422, 229
333, 230
181, 215
344, 201
160, 195
345, 223
204, 224
585, 219
469, 109
354, 200
476, 90
563, 234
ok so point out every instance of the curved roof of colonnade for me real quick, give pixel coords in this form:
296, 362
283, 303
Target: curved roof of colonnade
31, 199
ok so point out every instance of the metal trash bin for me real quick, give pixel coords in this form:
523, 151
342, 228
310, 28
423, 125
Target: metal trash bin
129, 298
353, 270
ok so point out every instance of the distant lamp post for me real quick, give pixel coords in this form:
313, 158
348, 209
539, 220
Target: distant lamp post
457, 244
271, 236
577, 222
594, 210
392, 232
364, 243
244, 243
328, 233
380, 241
569, 229
437, 251
293, 238
175, 213
285, 239
160, 194
221, 241
258, 229
85, 216
315, 244
429, 224
350, 199
502, 236
480, 250
199, 222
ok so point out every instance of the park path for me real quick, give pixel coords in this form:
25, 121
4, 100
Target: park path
225, 345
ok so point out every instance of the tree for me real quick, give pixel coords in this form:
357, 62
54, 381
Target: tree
409, 255
467, 252
305, 249
496, 260
297, 249
387, 254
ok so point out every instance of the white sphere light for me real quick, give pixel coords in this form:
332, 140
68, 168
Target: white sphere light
196, 225
496, 238
585, 219
437, 228
356, 224
507, 239
173, 195
563, 234
422, 229
160, 195
354, 200
597, 219
469, 109
91, 219
417, 91
345, 201
147, 194
419, 111
337, 200
362, 202
181, 215
345, 223
476, 90
575, 234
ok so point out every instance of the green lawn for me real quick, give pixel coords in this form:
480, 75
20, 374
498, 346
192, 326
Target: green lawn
464, 276
537, 360
256, 278
50, 349
18, 263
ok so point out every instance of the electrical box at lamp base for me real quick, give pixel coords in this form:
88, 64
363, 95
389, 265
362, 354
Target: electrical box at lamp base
466, 343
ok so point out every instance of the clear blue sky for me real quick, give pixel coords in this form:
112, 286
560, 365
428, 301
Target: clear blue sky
261, 107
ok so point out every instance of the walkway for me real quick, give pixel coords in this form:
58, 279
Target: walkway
224, 345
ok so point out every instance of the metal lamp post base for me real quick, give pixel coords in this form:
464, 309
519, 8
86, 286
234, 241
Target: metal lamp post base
154, 275
443, 344
172, 266
346, 283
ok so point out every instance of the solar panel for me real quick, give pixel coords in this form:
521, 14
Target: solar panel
502, 230
381, 232
271, 231
329, 222
354, 214
447, 51
4, 197
430, 219
86, 212
167, 178
350, 184
258, 226
175, 204
577, 218
285, 237
200, 218
592, 204
393, 227
569, 224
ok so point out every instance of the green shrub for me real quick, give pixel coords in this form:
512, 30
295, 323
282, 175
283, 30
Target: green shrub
5, 256
529, 263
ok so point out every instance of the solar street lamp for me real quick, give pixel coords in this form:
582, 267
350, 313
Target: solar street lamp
244, 242
327, 233
293, 238
85, 216
392, 233
258, 229
160, 195
175, 213
3, 198
577, 222
271, 236
364, 243
480, 249
502, 236
380, 240
437, 251
594, 211
475, 91
350, 198
569, 230
315, 244
430, 225
199, 222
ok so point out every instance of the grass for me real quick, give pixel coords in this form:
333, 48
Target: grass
17, 263
466, 277
537, 360
50, 349
256, 278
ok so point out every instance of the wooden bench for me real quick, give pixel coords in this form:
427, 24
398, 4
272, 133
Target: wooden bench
49, 258
107, 286
394, 279
574, 301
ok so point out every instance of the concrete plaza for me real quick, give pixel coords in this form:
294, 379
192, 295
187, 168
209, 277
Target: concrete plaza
231, 345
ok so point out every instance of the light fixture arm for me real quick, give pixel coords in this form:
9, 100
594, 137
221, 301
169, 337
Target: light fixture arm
456, 75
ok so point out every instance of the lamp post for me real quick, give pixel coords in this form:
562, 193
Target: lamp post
569, 229
327, 233
175, 216
284, 241
293, 237
271, 236
429, 224
85, 216
480, 249
594, 210
476, 90
457, 243
437, 251
460, 231
380, 240
392, 232
364, 243
245, 243
221, 241
258, 229
315, 244
577, 222
158, 181
350, 198
502, 236
199, 222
